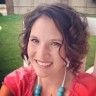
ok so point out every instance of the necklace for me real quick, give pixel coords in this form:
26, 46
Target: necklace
60, 91
38, 90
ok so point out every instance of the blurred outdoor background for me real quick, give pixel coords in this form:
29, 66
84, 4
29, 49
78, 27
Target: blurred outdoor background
11, 18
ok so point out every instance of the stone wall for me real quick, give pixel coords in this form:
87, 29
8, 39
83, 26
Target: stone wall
22, 6
83, 6
3, 10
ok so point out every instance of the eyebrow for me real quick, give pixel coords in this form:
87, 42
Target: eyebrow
57, 39
33, 36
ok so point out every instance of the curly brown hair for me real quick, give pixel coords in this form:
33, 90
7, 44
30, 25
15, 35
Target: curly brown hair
71, 24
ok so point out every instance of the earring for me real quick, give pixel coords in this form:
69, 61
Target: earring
26, 62
68, 62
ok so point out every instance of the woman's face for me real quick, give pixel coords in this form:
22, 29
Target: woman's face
43, 48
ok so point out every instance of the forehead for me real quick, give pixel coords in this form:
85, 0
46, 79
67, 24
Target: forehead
45, 26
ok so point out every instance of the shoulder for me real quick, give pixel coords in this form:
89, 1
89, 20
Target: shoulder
84, 84
82, 77
18, 80
22, 73
4, 91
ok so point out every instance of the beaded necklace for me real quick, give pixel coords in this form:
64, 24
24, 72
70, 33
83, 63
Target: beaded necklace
60, 92
38, 90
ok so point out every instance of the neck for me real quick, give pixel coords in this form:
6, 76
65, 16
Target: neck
51, 83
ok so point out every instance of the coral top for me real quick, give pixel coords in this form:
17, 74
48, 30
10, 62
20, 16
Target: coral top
21, 82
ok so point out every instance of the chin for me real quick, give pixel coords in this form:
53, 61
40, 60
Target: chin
42, 74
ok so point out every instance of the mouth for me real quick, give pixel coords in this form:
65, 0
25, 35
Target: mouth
44, 64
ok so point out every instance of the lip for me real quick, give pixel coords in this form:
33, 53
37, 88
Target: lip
44, 64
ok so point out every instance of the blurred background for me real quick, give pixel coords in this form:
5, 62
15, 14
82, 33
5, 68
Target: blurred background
11, 18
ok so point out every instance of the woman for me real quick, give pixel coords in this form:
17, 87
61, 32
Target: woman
54, 42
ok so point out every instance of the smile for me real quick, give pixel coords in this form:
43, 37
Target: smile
44, 64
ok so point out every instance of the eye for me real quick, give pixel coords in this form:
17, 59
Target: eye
56, 44
35, 41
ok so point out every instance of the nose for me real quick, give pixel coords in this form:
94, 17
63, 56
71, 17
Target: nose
43, 52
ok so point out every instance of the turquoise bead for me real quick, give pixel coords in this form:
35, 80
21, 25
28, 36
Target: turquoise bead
38, 90
59, 94
37, 95
60, 91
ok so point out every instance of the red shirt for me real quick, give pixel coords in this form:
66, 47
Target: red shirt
21, 83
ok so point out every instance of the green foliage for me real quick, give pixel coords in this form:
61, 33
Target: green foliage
9, 44
91, 53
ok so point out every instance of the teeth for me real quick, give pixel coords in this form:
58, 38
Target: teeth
43, 63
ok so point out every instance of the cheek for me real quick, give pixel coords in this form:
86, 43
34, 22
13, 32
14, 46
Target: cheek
62, 52
59, 57
30, 50
56, 57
